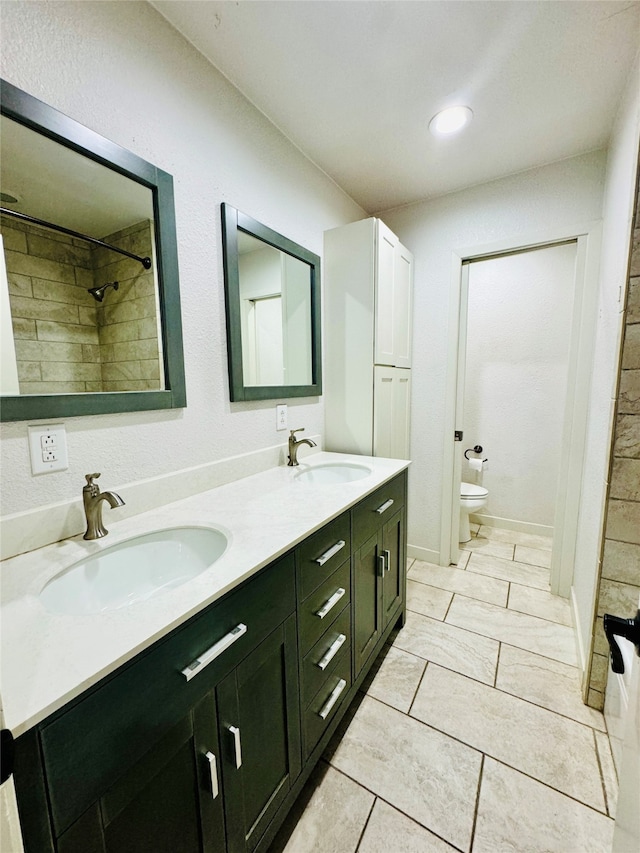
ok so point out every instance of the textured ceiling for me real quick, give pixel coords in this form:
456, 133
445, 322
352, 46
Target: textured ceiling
354, 84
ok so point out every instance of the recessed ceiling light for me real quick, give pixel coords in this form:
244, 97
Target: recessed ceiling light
6, 198
450, 121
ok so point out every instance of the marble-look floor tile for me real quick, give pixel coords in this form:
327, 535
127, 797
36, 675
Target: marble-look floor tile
423, 773
550, 748
397, 679
509, 570
389, 831
491, 547
545, 682
410, 562
463, 560
428, 600
609, 775
531, 540
538, 602
334, 819
449, 646
517, 629
516, 813
533, 556
458, 580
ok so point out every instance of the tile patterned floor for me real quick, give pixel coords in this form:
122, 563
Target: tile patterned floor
470, 735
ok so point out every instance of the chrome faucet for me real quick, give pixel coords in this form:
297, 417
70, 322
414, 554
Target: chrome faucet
294, 444
92, 498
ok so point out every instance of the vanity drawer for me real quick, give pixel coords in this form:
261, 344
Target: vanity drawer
329, 599
372, 512
326, 702
321, 661
130, 711
322, 553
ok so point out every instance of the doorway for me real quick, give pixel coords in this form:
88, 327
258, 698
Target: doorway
578, 248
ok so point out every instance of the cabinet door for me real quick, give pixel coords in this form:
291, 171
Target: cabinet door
168, 802
386, 242
258, 707
367, 593
391, 412
402, 306
393, 582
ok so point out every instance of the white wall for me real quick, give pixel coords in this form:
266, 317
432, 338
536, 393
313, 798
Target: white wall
518, 332
121, 70
540, 201
618, 200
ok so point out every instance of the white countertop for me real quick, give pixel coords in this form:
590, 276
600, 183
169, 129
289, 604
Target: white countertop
50, 658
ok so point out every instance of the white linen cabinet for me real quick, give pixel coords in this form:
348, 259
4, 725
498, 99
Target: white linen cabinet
368, 283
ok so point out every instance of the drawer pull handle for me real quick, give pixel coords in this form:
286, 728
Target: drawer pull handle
235, 732
385, 506
332, 651
215, 651
331, 701
213, 772
331, 602
387, 557
331, 552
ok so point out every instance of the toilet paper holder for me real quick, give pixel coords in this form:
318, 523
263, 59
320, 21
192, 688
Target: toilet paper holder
476, 449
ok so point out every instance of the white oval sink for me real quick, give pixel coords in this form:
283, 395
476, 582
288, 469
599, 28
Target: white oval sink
333, 472
134, 570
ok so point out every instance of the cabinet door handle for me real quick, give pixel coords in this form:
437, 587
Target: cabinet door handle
385, 506
331, 701
330, 602
215, 651
387, 557
235, 732
332, 651
213, 773
331, 552
381, 565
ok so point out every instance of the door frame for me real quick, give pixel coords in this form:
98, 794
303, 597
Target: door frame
588, 238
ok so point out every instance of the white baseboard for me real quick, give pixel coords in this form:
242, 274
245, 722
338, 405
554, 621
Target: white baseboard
26, 531
512, 524
424, 554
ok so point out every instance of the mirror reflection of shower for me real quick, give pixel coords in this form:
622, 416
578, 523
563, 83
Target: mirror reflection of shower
99, 292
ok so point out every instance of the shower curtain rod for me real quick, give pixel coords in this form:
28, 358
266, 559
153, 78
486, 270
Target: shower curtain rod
146, 262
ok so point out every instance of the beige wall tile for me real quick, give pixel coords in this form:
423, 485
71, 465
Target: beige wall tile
19, 285
627, 436
634, 266
633, 301
595, 699
39, 309
56, 371
25, 329
148, 328
72, 333
150, 368
625, 479
91, 353
623, 521
52, 388
29, 371
132, 385
129, 351
121, 370
621, 562
629, 401
54, 250
88, 316
39, 267
619, 599
13, 239
94, 387
47, 351
599, 671
631, 348
53, 291
600, 642
84, 278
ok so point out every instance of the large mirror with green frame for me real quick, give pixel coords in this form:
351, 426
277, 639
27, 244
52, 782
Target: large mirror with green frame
273, 312
89, 290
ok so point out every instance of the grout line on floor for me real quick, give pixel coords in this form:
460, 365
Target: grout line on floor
453, 595
366, 823
495, 675
506, 607
608, 805
477, 804
424, 671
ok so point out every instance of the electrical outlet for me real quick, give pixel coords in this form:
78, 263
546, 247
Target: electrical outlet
281, 416
48, 448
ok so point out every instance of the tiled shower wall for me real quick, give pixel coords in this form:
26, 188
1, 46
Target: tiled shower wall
65, 341
619, 585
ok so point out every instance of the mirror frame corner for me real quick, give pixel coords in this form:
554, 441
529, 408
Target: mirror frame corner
232, 222
42, 118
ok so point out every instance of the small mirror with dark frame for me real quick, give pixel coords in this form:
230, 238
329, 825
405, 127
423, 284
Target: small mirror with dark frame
272, 290
89, 285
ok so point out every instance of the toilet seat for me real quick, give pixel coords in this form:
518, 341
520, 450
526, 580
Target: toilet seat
471, 490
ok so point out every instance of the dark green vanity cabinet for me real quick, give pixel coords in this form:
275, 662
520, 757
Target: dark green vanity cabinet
148, 760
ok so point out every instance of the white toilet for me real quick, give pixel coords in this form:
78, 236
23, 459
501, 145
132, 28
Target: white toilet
472, 498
